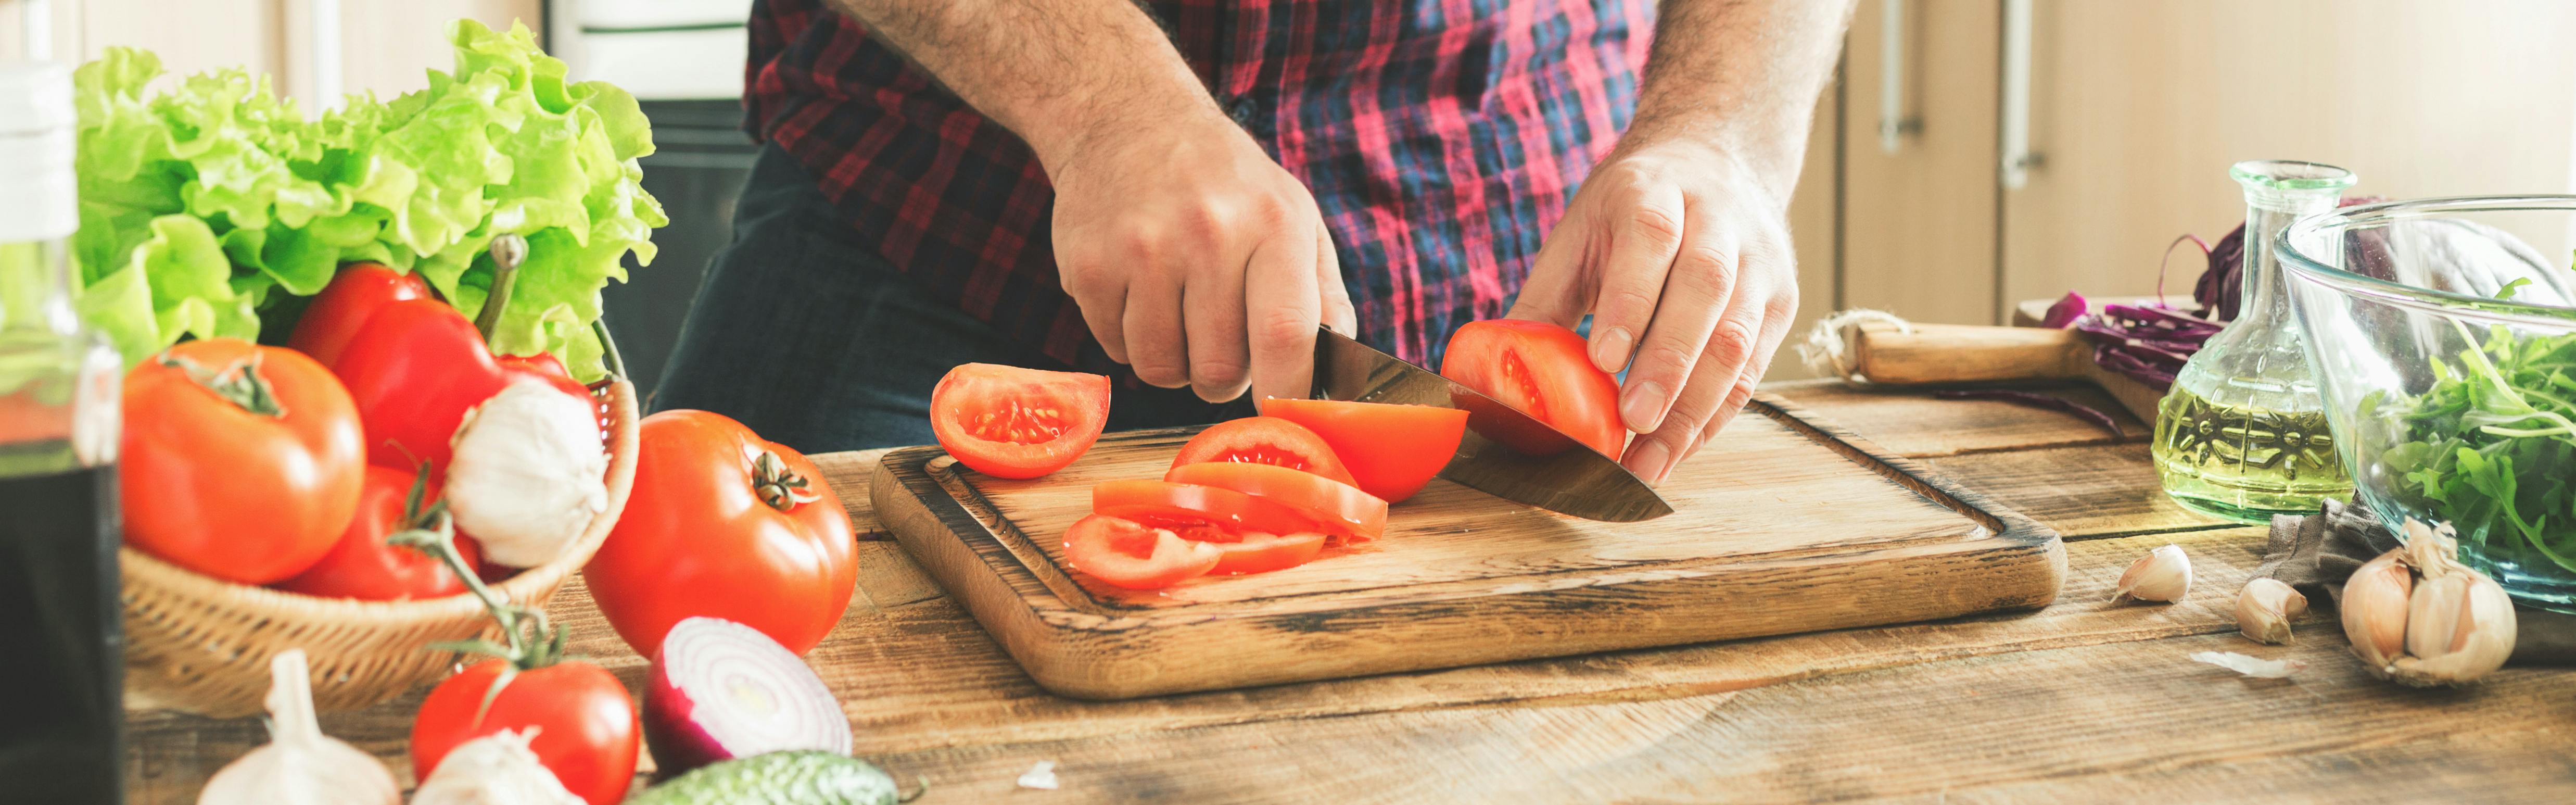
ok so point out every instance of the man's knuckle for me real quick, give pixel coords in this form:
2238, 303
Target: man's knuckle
1706, 264
1655, 225
1219, 372
1668, 357
1731, 343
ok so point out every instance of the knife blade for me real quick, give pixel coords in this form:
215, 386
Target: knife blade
1575, 481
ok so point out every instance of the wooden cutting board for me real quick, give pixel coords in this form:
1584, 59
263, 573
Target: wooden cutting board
1783, 524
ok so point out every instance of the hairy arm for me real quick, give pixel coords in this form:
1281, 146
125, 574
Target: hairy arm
1678, 244
1168, 217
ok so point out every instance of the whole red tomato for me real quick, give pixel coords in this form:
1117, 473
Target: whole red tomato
725, 525
586, 729
362, 565
241, 462
353, 297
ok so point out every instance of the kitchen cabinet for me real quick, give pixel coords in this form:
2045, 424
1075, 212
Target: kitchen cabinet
381, 44
2133, 111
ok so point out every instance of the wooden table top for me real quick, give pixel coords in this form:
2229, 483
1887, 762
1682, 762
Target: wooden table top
2076, 702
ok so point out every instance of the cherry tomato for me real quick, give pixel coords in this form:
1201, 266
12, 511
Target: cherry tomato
1336, 508
1162, 503
586, 729
241, 462
725, 525
414, 370
1256, 551
1391, 450
1541, 370
1126, 553
362, 565
344, 306
1009, 422
1264, 440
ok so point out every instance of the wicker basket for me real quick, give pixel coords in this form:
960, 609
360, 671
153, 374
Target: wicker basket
201, 645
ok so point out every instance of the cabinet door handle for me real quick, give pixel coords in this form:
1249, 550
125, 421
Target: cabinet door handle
36, 29
1893, 125
2013, 133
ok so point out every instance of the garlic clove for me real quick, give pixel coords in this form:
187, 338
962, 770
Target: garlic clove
2375, 603
496, 769
2460, 627
299, 765
2164, 575
2265, 608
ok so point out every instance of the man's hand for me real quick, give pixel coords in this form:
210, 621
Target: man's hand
1678, 243
1195, 258
1683, 260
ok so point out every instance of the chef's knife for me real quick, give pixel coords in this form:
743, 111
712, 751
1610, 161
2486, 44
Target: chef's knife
1576, 481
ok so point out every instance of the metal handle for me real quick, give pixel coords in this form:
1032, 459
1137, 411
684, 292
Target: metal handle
2014, 132
329, 62
36, 28
1893, 125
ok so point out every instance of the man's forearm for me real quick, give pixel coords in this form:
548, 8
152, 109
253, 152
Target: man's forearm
1049, 70
1743, 75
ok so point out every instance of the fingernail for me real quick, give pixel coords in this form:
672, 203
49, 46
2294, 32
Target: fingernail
1649, 460
1610, 348
1642, 405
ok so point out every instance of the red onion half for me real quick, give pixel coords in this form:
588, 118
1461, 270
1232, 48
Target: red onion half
721, 690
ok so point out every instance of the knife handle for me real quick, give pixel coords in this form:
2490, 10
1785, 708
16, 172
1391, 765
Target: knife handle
1961, 353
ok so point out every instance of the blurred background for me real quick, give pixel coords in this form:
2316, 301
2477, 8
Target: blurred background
1971, 153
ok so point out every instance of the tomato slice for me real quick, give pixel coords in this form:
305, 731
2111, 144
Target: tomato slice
1166, 504
1391, 450
1256, 551
1336, 508
1265, 440
1541, 370
1126, 553
1009, 422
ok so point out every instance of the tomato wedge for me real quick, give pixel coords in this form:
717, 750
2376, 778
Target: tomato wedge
1256, 551
1542, 370
1391, 450
1009, 422
1136, 556
1336, 508
1166, 504
1265, 440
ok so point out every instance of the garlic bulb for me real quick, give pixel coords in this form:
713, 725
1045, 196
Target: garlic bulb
528, 475
2420, 617
496, 769
2265, 608
2164, 574
300, 765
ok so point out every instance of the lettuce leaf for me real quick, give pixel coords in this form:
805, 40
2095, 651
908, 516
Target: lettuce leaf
209, 202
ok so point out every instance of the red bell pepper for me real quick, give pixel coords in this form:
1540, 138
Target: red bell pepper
354, 295
414, 370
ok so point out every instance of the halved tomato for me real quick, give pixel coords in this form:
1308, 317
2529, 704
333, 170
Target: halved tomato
1542, 370
1256, 551
1391, 450
1336, 508
1166, 504
1265, 440
1009, 422
1126, 553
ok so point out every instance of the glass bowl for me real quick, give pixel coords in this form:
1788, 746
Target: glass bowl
2443, 334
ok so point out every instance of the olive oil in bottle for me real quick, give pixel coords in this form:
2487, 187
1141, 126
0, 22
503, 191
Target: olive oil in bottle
2243, 462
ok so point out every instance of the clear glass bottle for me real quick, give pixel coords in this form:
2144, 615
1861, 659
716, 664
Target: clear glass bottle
61, 630
2243, 434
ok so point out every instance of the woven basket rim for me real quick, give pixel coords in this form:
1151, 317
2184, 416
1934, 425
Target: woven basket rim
529, 583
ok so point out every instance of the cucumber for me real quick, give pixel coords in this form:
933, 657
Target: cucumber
777, 778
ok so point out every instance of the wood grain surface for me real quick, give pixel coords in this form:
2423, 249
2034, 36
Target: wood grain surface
1779, 526
2075, 702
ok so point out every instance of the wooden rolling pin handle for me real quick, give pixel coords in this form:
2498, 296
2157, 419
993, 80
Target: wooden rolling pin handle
1959, 353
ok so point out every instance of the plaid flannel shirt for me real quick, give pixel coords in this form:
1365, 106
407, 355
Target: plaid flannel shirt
1441, 139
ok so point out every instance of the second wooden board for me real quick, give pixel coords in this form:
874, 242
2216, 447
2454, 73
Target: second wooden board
1782, 524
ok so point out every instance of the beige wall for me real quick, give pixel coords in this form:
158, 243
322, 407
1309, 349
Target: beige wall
387, 45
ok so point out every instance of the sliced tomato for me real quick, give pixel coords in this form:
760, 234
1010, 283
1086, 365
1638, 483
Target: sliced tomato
1256, 551
1543, 371
1166, 504
1126, 553
1009, 422
1391, 450
1336, 508
1265, 440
